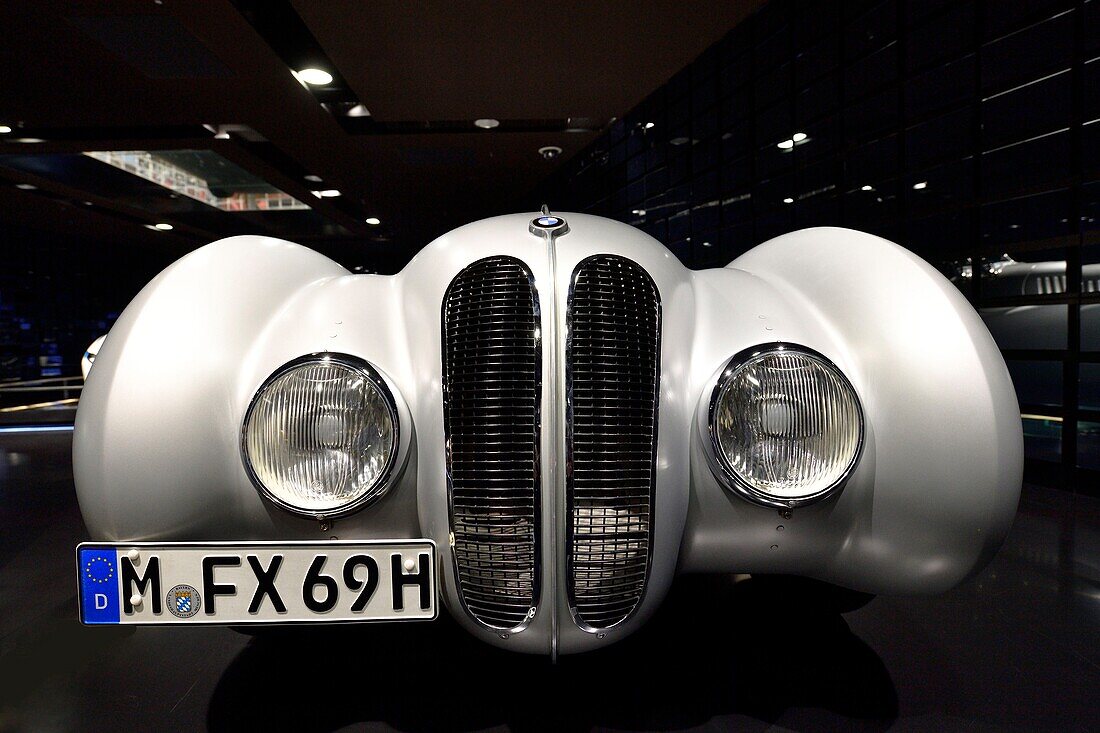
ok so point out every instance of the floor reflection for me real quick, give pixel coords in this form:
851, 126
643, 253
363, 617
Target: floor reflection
772, 648
1015, 648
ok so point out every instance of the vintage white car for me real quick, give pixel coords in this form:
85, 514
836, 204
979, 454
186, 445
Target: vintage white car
536, 424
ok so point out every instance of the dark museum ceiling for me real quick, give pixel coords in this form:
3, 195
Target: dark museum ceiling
149, 75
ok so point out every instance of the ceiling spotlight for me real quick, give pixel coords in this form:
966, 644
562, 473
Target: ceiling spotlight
326, 193
785, 145
648, 126
312, 178
639, 212
314, 77
358, 110
920, 185
706, 244
26, 186
788, 200
4, 129
162, 227
867, 188
549, 152
798, 137
486, 123
373, 221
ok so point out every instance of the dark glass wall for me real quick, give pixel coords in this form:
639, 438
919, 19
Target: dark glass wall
56, 296
965, 131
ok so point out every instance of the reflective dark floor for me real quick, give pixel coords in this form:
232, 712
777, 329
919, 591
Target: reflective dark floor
1017, 648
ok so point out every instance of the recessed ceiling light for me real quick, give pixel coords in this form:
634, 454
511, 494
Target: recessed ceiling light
679, 141
549, 152
327, 193
798, 137
706, 244
358, 110
26, 186
312, 178
867, 188
314, 77
162, 227
28, 140
486, 123
639, 212
785, 145
788, 200
4, 129
920, 185
648, 126
373, 221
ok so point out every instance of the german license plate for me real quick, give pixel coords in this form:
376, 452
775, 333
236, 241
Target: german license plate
265, 582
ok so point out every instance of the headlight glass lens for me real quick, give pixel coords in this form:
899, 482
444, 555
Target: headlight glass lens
786, 424
321, 434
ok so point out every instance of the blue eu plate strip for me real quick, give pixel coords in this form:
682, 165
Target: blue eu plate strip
99, 602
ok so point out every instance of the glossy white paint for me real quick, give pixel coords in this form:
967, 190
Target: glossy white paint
157, 437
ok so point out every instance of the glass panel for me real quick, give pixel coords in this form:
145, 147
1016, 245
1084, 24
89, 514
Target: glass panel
940, 239
1088, 445
941, 187
941, 87
1027, 326
1037, 382
1024, 229
1043, 437
1090, 254
1088, 396
1028, 223
1028, 164
871, 31
1090, 327
1026, 111
946, 37
871, 73
943, 138
1026, 55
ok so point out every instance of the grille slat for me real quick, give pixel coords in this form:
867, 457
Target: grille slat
613, 365
492, 363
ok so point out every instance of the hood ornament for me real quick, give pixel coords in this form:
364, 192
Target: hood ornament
548, 225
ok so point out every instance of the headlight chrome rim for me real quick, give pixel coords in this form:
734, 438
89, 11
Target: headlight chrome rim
728, 477
381, 485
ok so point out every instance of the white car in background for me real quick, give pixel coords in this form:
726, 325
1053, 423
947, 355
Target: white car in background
90, 353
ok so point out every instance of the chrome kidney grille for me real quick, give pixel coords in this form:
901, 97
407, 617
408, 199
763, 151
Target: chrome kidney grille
492, 366
612, 376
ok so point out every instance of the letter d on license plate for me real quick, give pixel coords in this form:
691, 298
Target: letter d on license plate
266, 582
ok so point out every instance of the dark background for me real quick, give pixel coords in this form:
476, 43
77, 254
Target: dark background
992, 105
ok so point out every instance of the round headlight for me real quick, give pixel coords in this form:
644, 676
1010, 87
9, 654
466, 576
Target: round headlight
321, 435
786, 425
